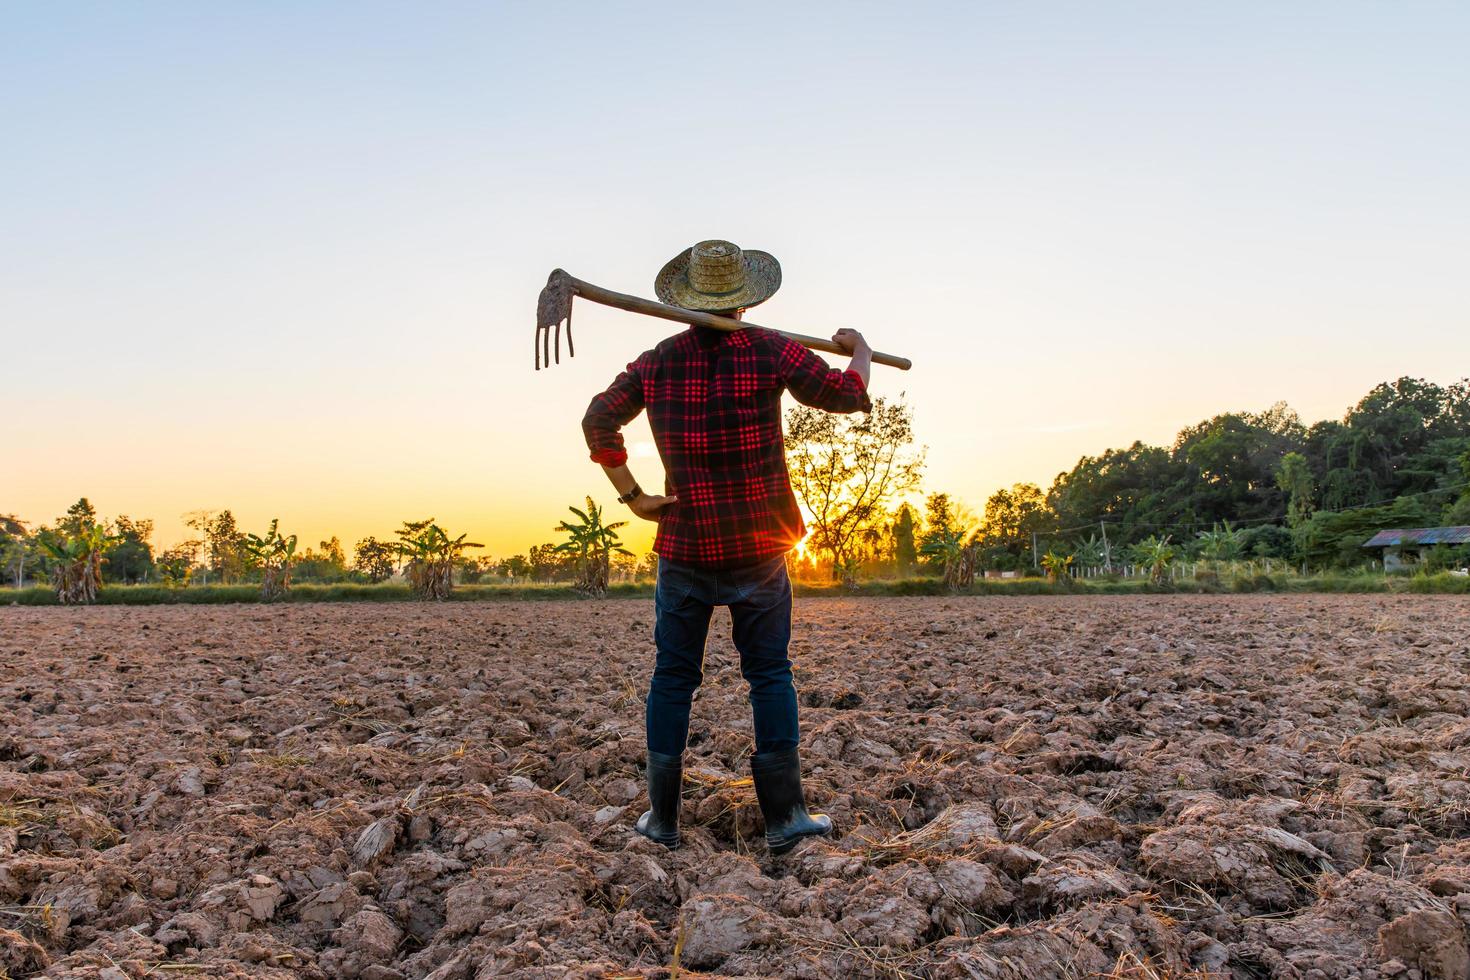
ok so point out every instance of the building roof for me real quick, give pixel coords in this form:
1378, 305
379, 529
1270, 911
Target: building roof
1420, 535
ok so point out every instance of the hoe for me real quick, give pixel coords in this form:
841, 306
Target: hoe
555, 306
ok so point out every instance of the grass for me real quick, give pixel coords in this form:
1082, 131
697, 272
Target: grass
1330, 582
147, 595
887, 962
674, 966
1131, 967
20, 814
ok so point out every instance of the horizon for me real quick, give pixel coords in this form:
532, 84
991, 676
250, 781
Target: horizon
284, 261
644, 540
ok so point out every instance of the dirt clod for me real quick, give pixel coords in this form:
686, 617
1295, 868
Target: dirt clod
1431, 939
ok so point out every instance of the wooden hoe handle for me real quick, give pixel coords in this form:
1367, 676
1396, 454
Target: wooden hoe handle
556, 306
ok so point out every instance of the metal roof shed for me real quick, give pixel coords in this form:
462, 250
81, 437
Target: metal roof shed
1418, 536
1394, 541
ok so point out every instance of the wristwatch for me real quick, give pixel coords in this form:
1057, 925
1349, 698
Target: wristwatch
631, 495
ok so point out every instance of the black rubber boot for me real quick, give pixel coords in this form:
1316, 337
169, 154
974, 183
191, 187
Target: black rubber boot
777, 778
665, 786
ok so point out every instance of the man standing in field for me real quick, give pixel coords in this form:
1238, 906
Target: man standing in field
728, 516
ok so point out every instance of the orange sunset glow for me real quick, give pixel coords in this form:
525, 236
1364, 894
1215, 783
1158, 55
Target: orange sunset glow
309, 293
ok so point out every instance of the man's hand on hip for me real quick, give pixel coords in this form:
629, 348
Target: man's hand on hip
650, 506
646, 505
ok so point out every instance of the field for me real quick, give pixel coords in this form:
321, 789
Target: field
1446, 583
1024, 787
1353, 582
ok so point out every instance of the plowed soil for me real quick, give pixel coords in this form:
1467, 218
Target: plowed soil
1170, 786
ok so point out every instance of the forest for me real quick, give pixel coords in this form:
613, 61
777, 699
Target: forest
1399, 457
1240, 485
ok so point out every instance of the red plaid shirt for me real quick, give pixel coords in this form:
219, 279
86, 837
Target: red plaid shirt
714, 404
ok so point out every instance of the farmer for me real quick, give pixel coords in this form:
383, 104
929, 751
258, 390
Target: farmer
727, 517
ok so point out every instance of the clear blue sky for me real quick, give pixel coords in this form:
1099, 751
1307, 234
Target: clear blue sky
283, 257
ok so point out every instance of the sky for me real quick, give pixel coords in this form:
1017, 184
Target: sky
284, 257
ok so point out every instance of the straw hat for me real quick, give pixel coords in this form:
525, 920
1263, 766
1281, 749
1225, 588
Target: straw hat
717, 277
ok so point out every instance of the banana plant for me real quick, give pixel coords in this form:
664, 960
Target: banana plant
78, 572
1220, 545
593, 543
275, 555
1155, 554
430, 555
1056, 565
949, 547
1090, 552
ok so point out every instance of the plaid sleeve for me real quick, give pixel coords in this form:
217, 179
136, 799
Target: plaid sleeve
813, 382
613, 409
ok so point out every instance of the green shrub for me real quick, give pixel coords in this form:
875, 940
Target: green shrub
1442, 582
1259, 582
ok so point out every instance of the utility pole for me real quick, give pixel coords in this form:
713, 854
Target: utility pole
1035, 561
1107, 551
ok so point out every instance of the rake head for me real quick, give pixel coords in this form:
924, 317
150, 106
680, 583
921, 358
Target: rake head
554, 306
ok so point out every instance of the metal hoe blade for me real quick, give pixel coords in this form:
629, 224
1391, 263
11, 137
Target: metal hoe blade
554, 307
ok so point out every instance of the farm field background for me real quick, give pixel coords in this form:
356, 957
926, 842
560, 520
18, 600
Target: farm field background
1229, 786
1361, 582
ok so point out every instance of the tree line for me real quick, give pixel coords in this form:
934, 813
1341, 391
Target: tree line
1238, 485
1399, 457
79, 551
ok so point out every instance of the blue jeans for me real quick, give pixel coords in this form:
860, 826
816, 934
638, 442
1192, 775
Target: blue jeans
759, 597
